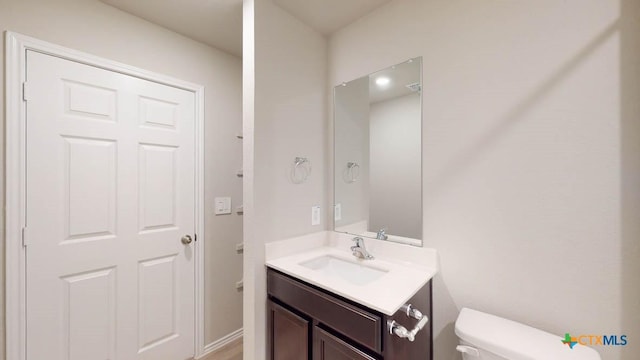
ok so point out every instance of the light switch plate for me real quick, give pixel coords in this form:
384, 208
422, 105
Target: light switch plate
223, 205
337, 212
315, 215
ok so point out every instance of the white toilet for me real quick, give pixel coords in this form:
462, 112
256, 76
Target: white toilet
489, 337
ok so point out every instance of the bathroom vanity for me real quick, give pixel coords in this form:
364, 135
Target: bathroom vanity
361, 291
325, 303
306, 322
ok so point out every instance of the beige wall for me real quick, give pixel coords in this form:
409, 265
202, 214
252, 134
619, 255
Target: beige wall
284, 116
95, 28
531, 155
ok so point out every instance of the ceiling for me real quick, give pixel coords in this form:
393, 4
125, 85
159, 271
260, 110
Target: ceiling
214, 22
218, 23
328, 16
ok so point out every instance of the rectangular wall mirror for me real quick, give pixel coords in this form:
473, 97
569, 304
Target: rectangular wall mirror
378, 154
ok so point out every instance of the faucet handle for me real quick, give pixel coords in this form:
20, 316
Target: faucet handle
358, 240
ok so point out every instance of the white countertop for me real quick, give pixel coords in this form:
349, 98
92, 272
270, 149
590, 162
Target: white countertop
408, 268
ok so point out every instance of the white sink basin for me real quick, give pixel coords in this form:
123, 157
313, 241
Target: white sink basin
351, 271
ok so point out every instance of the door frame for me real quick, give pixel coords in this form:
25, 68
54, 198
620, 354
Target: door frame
16, 46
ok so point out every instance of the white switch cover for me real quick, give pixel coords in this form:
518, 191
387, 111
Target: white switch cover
223, 205
315, 215
337, 212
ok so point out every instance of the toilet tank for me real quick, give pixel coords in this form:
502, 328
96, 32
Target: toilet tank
511, 340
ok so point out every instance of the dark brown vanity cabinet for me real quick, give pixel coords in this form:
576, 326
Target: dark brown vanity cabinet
308, 323
293, 333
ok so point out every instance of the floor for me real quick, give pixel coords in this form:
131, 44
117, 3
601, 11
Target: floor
232, 351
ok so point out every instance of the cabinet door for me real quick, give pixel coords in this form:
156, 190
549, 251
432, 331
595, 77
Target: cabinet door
329, 347
288, 334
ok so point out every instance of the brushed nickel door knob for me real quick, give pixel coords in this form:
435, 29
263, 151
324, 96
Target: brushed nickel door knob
186, 239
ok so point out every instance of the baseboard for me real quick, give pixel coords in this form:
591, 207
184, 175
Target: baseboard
222, 342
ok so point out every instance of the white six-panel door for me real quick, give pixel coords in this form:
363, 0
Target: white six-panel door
110, 194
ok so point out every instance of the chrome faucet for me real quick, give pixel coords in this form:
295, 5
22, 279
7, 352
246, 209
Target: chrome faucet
381, 235
359, 250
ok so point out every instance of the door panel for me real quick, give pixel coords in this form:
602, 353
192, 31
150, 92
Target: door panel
157, 187
89, 101
89, 321
157, 113
89, 189
110, 193
157, 301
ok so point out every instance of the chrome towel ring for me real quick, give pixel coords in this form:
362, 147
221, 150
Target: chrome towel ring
352, 172
300, 170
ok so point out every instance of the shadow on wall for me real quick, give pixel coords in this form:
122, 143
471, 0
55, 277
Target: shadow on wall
628, 28
444, 344
630, 176
443, 341
467, 156
445, 349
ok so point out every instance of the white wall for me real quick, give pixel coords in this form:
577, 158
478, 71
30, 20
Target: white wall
284, 117
395, 163
98, 29
531, 155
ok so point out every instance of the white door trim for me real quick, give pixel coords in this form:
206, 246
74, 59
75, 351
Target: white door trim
15, 185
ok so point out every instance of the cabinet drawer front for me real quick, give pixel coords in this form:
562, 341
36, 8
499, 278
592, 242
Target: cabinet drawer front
354, 322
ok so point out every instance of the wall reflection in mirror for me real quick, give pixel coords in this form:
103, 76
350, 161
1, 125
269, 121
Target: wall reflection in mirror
378, 154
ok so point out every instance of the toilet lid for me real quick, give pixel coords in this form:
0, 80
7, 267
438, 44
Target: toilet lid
516, 341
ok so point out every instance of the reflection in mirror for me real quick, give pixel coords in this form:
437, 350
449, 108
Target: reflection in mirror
378, 154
